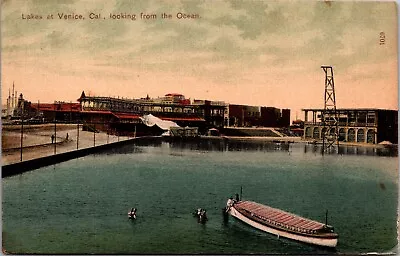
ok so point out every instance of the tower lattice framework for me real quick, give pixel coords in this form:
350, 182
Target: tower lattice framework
330, 130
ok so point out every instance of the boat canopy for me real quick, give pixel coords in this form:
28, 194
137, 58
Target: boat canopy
277, 216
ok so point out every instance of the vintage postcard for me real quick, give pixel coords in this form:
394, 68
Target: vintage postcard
199, 127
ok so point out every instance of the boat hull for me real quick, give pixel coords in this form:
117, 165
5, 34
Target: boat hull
326, 242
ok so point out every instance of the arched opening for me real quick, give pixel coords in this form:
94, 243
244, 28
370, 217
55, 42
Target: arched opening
342, 134
226, 122
316, 133
371, 136
308, 132
351, 135
360, 135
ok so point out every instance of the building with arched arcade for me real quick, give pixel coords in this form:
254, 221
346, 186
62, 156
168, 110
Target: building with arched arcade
364, 125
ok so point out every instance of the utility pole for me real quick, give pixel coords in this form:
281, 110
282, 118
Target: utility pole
22, 125
22, 133
329, 115
108, 131
94, 134
55, 129
77, 136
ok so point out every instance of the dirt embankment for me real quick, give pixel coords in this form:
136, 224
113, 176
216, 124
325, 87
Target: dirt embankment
33, 134
38, 127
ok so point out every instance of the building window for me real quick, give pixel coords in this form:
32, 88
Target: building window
371, 118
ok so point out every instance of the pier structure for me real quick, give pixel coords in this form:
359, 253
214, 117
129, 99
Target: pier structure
363, 125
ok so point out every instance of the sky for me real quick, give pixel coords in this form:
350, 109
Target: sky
263, 53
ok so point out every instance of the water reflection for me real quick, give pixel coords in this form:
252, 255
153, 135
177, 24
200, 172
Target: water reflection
354, 150
128, 148
225, 145
222, 145
268, 146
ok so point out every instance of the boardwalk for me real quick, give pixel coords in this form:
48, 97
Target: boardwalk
37, 142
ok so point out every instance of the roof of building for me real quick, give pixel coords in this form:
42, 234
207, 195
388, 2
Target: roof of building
298, 121
183, 119
65, 107
126, 116
173, 94
97, 112
82, 96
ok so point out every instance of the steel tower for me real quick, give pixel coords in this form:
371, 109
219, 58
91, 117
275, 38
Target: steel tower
329, 115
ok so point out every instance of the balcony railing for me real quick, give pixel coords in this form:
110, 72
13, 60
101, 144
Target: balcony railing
349, 124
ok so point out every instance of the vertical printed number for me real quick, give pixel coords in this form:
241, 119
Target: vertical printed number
382, 38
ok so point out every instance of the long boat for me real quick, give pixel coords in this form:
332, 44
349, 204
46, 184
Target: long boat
281, 223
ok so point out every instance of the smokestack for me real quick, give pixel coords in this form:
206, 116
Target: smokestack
8, 103
16, 100
13, 101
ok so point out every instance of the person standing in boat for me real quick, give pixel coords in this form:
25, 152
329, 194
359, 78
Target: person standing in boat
229, 204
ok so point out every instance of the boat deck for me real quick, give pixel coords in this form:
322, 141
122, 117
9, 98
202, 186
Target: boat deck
279, 217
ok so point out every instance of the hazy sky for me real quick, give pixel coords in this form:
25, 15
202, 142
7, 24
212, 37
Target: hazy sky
265, 53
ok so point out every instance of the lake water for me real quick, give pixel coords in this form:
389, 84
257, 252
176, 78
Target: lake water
80, 206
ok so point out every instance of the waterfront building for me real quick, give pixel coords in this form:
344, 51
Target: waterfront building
249, 116
363, 125
284, 119
270, 116
244, 115
60, 111
123, 114
44, 112
212, 111
22, 108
